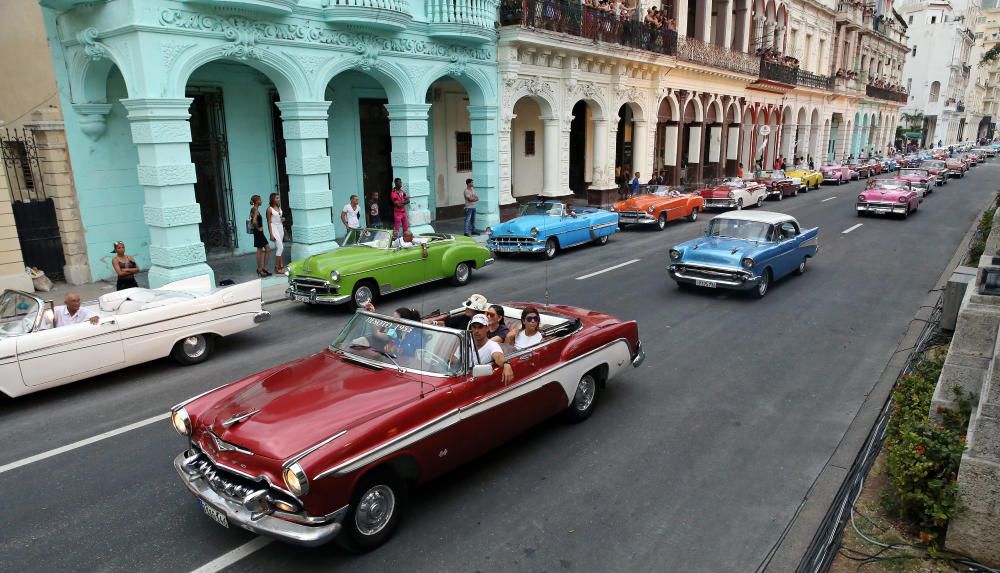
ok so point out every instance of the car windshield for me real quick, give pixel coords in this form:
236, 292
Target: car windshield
889, 184
398, 343
554, 209
18, 313
738, 229
913, 173
658, 190
933, 164
373, 238
770, 175
728, 182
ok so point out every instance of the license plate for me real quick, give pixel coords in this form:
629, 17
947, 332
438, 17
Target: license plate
301, 298
701, 283
216, 515
881, 211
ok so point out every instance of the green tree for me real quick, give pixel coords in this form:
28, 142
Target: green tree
991, 54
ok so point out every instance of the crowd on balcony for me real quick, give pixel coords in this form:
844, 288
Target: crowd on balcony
772, 56
616, 8
883, 83
658, 20
867, 10
847, 74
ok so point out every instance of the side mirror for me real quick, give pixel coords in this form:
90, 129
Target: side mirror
482, 371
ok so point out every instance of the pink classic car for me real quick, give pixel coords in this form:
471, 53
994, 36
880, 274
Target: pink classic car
920, 179
888, 197
836, 173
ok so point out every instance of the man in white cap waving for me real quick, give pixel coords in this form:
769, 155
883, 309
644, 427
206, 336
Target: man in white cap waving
488, 350
476, 304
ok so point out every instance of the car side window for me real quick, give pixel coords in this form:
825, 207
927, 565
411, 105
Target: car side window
789, 230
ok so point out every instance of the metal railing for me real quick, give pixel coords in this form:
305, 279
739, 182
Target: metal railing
888, 95
694, 50
586, 22
811, 80
776, 72
394, 5
471, 12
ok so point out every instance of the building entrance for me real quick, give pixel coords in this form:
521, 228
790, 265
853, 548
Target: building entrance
376, 150
210, 155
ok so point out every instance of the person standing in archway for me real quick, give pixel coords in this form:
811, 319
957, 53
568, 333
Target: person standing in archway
399, 202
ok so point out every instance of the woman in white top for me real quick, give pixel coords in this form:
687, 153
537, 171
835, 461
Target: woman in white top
528, 335
276, 226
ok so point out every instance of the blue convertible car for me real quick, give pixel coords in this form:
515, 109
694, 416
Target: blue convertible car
744, 250
549, 226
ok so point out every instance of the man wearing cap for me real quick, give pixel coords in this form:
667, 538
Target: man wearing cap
476, 304
487, 349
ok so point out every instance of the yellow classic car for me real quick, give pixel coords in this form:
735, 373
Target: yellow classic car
810, 179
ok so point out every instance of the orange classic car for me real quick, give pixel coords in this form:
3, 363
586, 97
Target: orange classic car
656, 205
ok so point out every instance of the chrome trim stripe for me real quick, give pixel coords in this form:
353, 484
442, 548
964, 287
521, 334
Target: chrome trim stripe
192, 399
312, 449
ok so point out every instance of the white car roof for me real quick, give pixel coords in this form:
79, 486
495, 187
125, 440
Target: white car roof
769, 217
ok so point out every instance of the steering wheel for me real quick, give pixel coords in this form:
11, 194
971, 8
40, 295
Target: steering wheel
427, 357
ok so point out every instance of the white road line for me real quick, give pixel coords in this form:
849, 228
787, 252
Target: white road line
82, 443
849, 229
626, 263
227, 559
828, 199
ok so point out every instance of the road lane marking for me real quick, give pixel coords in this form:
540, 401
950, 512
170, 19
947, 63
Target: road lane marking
227, 559
828, 199
594, 274
82, 443
849, 229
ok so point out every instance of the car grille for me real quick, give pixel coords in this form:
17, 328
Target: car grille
512, 241
707, 273
720, 202
631, 213
224, 482
305, 285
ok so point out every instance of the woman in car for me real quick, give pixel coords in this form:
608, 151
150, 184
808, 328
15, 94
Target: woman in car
496, 329
528, 335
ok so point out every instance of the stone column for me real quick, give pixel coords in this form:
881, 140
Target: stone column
408, 128
681, 16
703, 21
550, 158
724, 34
483, 126
57, 176
12, 273
162, 136
779, 38
759, 28
304, 125
641, 154
600, 176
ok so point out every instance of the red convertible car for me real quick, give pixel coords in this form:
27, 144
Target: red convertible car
327, 447
778, 184
864, 170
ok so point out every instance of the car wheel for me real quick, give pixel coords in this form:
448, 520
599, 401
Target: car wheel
739, 204
601, 241
781, 196
362, 294
795, 193
585, 398
763, 285
801, 269
661, 221
193, 349
906, 213
621, 226
694, 215
375, 510
462, 274
551, 248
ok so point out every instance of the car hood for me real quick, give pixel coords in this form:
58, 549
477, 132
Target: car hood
884, 194
830, 168
717, 192
912, 178
521, 226
721, 251
342, 260
641, 203
308, 401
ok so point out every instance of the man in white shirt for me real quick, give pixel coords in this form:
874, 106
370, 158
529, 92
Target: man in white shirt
488, 350
350, 215
407, 242
71, 312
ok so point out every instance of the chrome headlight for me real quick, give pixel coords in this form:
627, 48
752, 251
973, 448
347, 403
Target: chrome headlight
675, 255
861, 198
732, 195
747, 263
489, 231
902, 199
650, 209
296, 480
181, 422
612, 209
534, 231
334, 276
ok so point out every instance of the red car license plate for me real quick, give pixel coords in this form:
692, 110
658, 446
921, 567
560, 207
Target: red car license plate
216, 515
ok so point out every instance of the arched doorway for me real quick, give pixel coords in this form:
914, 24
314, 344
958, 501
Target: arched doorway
665, 148
800, 149
787, 149
814, 138
732, 138
625, 144
531, 172
691, 137
452, 149
712, 146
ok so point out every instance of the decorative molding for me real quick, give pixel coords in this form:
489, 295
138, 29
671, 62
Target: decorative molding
314, 233
174, 216
94, 49
459, 63
93, 118
308, 63
169, 51
179, 255
164, 174
368, 49
243, 35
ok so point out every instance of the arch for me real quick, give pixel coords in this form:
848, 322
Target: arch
714, 111
672, 108
638, 109
935, 92
697, 108
800, 118
814, 117
476, 83
770, 10
396, 82
286, 76
89, 77
733, 109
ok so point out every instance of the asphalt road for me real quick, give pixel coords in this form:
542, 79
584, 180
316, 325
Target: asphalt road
694, 462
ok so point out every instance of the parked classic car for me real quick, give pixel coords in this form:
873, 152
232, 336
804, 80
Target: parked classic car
656, 205
778, 184
733, 193
956, 167
920, 180
326, 447
937, 169
836, 173
875, 165
181, 319
888, 197
548, 227
810, 179
911, 160
369, 264
889, 164
859, 170
744, 251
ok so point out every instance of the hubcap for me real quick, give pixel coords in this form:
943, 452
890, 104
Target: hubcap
585, 393
802, 266
462, 272
694, 215
662, 221
363, 295
375, 509
194, 346
550, 249
762, 287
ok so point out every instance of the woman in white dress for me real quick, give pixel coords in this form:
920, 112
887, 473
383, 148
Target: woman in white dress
276, 227
528, 335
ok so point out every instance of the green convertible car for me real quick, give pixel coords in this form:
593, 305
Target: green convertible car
368, 265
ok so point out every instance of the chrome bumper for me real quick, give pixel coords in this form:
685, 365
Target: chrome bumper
489, 262
640, 355
263, 524
899, 209
520, 248
313, 298
744, 282
633, 220
720, 203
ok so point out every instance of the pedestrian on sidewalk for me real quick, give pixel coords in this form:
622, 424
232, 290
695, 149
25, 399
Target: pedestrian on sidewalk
259, 239
350, 215
471, 200
374, 220
400, 200
276, 226
739, 171
125, 267
633, 188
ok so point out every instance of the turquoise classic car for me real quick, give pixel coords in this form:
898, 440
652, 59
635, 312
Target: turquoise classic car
547, 226
370, 264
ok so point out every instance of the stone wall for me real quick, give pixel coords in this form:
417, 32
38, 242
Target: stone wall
11, 264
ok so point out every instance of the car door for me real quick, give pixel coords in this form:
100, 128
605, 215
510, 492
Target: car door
400, 268
789, 253
69, 353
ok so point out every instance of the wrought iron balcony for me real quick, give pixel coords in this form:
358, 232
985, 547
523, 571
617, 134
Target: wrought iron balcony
392, 15
466, 21
775, 72
693, 50
888, 95
811, 80
586, 22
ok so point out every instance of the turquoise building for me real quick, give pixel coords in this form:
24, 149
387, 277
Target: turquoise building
178, 111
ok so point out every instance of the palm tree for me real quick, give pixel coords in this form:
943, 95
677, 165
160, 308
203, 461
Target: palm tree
913, 120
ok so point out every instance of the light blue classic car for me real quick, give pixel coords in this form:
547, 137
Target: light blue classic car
744, 250
549, 226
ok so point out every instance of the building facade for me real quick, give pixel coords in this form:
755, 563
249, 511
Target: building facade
988, 73
177, 112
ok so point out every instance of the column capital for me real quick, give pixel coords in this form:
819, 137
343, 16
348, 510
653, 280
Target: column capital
483, 111
405, 111
158, 108
93, 118
292, 110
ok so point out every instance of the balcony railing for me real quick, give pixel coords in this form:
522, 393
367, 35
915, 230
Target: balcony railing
811, 80
469, 21
391, 15
888, 95
586, 22
693, 50
778, 73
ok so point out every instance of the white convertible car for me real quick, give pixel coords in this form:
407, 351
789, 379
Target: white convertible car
136, 325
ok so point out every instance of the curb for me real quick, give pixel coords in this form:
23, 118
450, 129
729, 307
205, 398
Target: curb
791, 547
